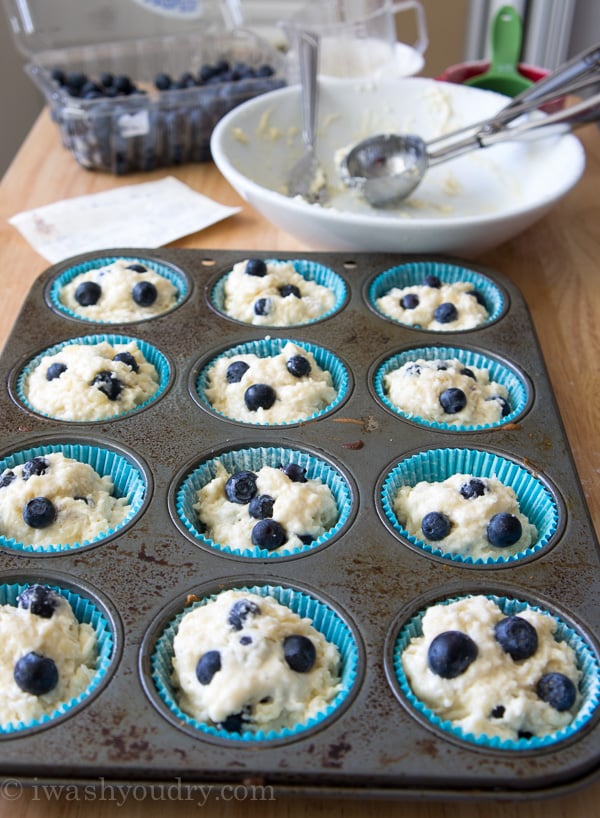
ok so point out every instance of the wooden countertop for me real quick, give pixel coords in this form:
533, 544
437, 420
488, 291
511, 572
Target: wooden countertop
555, 263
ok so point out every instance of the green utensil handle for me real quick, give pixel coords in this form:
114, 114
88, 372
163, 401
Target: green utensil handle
506, 39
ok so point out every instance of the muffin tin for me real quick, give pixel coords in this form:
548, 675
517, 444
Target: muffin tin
372, 581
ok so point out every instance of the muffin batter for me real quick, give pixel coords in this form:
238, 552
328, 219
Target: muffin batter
54, 500
246, 663
439, 307
468, 674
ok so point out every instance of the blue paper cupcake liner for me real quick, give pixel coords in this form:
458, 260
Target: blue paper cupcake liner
535, 499
85, 612
151, 354
254, 460
310, 270
515, 384
128, 480
412, 274
176, 278
587, 663
269, 347
324, 619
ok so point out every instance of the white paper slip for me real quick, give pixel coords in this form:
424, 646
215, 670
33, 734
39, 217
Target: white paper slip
150, 214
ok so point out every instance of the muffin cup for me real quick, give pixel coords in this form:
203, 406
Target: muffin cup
128, 478
324, 619
53, 291
151, 354
537, 501
517, 385
310, 270
587, 662
253, 459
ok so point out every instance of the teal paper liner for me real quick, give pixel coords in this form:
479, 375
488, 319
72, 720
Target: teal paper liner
412, 274
310, 270
151, 354
174, 276
85, 612
269, 347
324, 619
128, 482
253, 460
435, 465
518, 394
587, 662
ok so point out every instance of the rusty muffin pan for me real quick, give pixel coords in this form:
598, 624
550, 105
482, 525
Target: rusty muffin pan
366, 572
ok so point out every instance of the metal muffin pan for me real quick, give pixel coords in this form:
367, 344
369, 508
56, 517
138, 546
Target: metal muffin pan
374, 744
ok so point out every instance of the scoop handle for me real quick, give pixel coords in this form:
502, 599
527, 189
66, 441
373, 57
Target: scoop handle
506, 40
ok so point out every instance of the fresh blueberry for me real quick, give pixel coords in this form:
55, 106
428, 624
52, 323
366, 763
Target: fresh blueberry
58, 75
88, 293
6, 478
55, 370
261, 506
107, 383
517, 637
235, 371
269, 534
265, 71
36, 674
256, 267
450, 654
296, 473
39, 599
144, 293
127, 358
35, 467
435, 526
410, 301
468, 372
504, 404
298, 366
39, 512
478, 297
75, 80
262, 306
445, 313
123, 84
208, 664
299, 652
259, 396
453, 400
431, 281
306, 539
289, 289
557, 690
241, 487
233, 723
240, 611
498, 712
137, 268
107, 79
504, 529
206, 72
472, 488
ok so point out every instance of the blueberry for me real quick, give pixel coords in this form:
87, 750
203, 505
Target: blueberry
58, 75
39, 512
208, 664
261, 506
35, 468
127, 358
107, 383
472, 488
468, 372
36, 674
107, 79
259, 396
435, 526
89, 88
517, 637
6, 478
55, 371
265, 71
245, 640
240, 611
450, 654
123, 84
431, 281
262, 306
137, 268
235, 371
269, 534
306, 539
498, 712
299, 652
296, 473
233, 723
144, 293
557, 690
88, 293
289, 289
504, 529
75, 80
453, 400
256, 267
445, 313
39, 599
241, 487
206, 72
478, 297
410, 301
298, 366
504, 404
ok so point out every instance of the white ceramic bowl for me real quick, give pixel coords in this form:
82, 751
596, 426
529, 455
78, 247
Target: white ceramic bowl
463, 207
